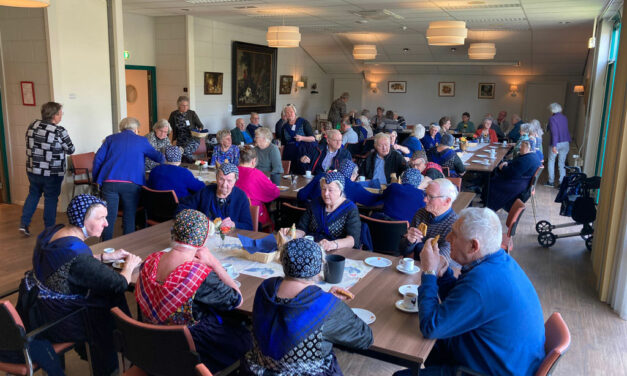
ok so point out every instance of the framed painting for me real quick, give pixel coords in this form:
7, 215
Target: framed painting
446, 89
285, 84
213, 83
486, 90
254, 78
397, 86
28, 93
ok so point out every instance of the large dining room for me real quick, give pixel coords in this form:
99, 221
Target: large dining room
324, 187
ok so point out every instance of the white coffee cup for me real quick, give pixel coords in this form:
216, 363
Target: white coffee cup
241, 143
108, 250
229, 269
504, 143
362, 178
407, 263
410, 300
308, 174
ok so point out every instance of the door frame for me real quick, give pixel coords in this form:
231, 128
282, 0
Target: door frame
6, 189
152, 77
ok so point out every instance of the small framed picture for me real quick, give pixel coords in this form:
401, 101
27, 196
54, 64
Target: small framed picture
486, 90
397, 86
28, 93
446, 89
213, 83
285, 84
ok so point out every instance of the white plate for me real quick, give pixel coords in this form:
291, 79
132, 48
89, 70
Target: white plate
282, 187
399, 305
238, 283
365, 315
286, 176
118, 264
378, 262
408, 288
234, 275
410, 272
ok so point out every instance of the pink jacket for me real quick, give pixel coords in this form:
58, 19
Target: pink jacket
258, 188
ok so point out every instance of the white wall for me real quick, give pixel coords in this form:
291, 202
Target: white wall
171, 62
140, 39
24, 58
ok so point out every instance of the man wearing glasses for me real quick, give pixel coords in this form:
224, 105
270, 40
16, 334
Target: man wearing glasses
327, 156
439, 217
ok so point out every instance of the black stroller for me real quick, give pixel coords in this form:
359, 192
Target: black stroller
575, 195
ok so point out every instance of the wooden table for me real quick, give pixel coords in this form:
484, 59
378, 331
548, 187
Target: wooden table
501, 151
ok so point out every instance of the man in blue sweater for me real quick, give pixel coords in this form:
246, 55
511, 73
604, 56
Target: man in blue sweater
222, 200
489, 319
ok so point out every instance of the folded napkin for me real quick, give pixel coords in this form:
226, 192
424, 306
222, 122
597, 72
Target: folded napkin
374, 183
263, 245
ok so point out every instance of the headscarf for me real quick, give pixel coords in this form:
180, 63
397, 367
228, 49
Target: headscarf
173, 153
412, 176
229, 168
332, 176
78, 207
447, 140
301, 258
347, 168
191, 227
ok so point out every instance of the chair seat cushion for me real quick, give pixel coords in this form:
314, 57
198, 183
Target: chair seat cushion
14, 368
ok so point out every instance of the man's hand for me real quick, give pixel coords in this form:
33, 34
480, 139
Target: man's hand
429, 256
414, 235
502, 165
554, 150
305, 159
443, 266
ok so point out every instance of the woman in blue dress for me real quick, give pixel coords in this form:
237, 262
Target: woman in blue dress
433, 138
413, 142
297, 138
225, 150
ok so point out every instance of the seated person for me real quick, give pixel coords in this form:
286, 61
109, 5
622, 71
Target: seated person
297, 138
365, 123
378, 120
412, 143
524, 135
402, 150
253, 125
390, 122
501, 121
512, 178
292, 314
430, 170
225, 151
268, 154
402, 201
447, 157
514, 134
332, 220
257, 186
535, 134
188, 286
433, 138
438, 215
486, 133
222, 200
381, 162
348, 133
327, 155
170, 176
158, 138
465, 126
353, 191
445, 125
489, 319
239, 133
67, 276
360, 130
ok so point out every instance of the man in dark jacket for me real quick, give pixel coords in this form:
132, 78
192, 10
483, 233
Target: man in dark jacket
327, 155
381, 163
239, 133
338, 109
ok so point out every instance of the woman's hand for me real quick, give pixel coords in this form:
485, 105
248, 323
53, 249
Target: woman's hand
120, 254
328, 245
204, 256
286, 233
227, 222
298, 138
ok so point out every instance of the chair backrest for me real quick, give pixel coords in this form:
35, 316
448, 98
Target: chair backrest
386, 235
159, 205
83, 163
202, 148
254, 214
513, 217
12, 328
457, 182
556, 343
286, 166
534, 179
290, 214
446, 171
156, 349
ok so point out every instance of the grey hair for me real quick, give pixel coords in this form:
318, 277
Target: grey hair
253, 113
182, 98
163, 123
222, 133
525, 142
419, 131
537, 127
333, 131
365, 112
516, 116
364, 120
345, 95
264, 132
446, 187
526, 127
488, 118
555, 107
292, 107
380, 136
129, 123
434, 126
483, 225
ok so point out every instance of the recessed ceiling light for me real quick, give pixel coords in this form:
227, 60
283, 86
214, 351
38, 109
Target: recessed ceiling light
564, 22
362, 21
185, 10
405, 50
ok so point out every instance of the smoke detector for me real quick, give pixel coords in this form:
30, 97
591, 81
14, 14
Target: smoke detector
382, 14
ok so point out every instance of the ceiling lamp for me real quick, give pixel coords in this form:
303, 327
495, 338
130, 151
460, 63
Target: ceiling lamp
364, 52
25, 3
283, 36
482, 51
446, 33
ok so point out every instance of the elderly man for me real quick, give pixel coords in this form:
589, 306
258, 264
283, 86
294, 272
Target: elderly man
514, 134
349, 136
560, 142
381, 164
489, 319
253, 125
222, 200
338, 109
325, 157
378, 119
438, 215
501, 121
239, 133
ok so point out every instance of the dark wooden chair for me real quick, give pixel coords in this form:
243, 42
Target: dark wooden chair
82, 165
290, 214
386, 235
159, 205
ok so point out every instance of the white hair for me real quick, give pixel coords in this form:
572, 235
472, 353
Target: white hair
555, 107
446, 188
264, 132
537, 127
331, 132
381, 136
526, 128
419, 131
163, 123
364, 120
129, 123
292, 107
483, 225
434, 126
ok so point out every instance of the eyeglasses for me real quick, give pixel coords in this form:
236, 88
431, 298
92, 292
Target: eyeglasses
429, 197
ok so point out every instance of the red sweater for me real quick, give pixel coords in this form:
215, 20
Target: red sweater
493, 136
258, 188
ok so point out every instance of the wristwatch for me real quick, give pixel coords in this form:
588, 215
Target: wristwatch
429, 272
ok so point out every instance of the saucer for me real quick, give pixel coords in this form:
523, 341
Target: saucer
282, 187
399, 305
410, 272
365, 315
234, 275
408, 288
118, 264
378, 262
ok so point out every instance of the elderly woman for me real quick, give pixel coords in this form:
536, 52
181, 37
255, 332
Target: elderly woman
183, 121
222, 200
430, 170
170, 176
225, 151
412, 143
524, 131
486, 133
402, 201
158, 138
536, 133
447, 157
292, 314
332, 220
390, 123
67, 276
445, 124
433, 138
119, 169
402, 150
268, 154
259, 189
188, 286
365, 123
297, 137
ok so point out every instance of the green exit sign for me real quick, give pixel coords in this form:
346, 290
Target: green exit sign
126, 55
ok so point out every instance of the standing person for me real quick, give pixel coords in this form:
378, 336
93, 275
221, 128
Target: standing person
253, 125
183, 121
47, 143
119, 169
297, 138
338, 109
159, 140
560, 142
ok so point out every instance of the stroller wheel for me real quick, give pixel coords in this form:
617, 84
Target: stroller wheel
589, 243
547, 239
543, 226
